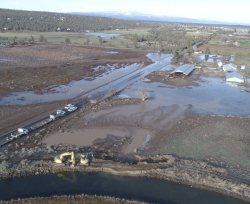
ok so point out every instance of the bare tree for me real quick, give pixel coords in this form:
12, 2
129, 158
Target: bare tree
143, 95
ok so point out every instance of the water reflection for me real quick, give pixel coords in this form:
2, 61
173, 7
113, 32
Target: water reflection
136, 188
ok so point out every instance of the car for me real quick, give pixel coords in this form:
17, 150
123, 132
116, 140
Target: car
70, 108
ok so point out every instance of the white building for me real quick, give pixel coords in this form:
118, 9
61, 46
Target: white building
229, 67
234, 77
243, 66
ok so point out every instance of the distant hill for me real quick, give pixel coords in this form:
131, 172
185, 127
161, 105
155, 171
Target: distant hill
50, 21
154, 18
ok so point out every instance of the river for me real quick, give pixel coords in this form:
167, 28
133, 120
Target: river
136, 188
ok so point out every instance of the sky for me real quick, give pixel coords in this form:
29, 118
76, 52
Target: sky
216, 10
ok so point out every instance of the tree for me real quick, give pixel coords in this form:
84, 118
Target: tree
207, 50
160, 43
112, 91
67, 40
31, 39
143, 95
127, 45
100, 40
175, 57
206, 57
41, 38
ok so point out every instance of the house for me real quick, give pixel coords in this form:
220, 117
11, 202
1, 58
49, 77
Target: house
58, 29
68, 29
234, 77
243, 66
229, 67
197, 52
236, 44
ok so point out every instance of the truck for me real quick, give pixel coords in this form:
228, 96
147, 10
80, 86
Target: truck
19, 133
57, 114
40, 124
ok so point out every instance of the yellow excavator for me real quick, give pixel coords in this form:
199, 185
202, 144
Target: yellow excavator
85, 158
60, 160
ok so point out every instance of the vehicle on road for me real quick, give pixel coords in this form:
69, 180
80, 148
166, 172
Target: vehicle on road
57, 114
19, 133
70, 108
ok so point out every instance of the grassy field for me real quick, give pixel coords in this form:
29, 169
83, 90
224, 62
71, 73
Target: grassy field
221, 49
77, 38
142, 31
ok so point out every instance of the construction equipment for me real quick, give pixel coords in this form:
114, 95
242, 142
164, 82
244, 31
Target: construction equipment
86, 159
60, 160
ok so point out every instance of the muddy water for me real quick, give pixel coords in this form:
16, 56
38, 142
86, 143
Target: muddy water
163, 117
136, 188
88, 137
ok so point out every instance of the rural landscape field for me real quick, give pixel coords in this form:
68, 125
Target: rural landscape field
100, 110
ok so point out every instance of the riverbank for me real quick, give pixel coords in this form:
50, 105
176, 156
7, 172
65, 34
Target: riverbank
64, 199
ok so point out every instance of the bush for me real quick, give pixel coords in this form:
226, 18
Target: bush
4, 166
112, 91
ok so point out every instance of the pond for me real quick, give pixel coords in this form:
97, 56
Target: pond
133, 188
105, 35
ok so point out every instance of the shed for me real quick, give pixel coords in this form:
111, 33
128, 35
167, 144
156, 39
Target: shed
184, 69
229, 67
234, 77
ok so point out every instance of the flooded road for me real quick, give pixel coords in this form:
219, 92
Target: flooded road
133, 188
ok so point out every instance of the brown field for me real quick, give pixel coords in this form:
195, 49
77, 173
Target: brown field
221, 49
60, 65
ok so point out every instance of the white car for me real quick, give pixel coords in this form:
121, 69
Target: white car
71, 108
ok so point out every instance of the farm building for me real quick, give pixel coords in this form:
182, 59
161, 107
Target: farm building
185, 69
229, 67
197, 52
234, 77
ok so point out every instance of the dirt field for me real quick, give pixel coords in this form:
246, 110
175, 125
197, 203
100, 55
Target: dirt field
61, 65
181, 80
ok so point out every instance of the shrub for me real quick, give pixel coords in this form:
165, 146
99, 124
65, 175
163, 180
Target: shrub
4, 166
112, 91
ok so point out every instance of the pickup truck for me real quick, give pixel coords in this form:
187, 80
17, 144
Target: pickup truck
57, 114
19, 133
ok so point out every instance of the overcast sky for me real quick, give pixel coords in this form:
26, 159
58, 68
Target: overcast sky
219, 10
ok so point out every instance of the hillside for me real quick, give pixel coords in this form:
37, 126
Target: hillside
49, 21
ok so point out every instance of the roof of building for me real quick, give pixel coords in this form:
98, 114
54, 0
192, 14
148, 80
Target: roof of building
234, 77
231, 65
184, 69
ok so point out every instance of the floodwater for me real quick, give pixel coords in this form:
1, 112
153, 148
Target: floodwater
212, 58
88, 137
105, 35
215, 96
100, 84
133, 188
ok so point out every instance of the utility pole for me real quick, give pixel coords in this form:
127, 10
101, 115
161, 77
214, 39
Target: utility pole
65, 95
140, 70
82, 97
